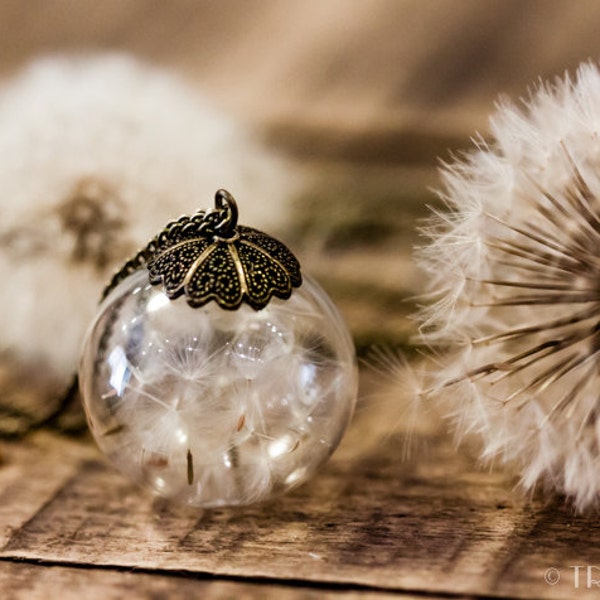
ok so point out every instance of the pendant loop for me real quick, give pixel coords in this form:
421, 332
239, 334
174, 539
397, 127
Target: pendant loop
225, 202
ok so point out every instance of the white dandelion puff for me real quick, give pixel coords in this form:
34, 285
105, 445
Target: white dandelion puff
514, 274
97, 153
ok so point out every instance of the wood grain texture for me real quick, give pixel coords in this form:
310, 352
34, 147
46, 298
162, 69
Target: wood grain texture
23, 581
31, 474
369, 522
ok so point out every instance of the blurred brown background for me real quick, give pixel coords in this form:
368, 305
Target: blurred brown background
328, 67
366, 95
336, 70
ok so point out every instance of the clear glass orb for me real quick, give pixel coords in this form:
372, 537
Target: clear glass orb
214, 407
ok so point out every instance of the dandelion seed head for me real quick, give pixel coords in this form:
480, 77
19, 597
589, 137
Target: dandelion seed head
98, 152
513, 268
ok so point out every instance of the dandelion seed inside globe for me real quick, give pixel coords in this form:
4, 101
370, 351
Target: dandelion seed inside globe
215, 407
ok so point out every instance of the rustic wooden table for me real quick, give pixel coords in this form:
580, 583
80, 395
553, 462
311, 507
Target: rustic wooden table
370, 525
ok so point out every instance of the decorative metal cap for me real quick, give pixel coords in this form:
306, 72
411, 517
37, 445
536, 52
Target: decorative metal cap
208, 256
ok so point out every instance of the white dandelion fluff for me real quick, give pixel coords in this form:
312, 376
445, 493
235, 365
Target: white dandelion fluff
514, 277
96, 153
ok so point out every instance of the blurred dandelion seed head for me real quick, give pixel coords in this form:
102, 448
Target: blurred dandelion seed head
514, 281
97, 153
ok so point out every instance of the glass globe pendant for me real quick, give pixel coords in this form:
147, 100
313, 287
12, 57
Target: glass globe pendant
213, 373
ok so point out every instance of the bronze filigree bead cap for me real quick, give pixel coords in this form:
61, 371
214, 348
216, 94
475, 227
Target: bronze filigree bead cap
209, 257
214, 373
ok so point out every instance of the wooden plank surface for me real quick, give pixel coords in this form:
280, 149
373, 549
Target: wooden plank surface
23, 581
369, 522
